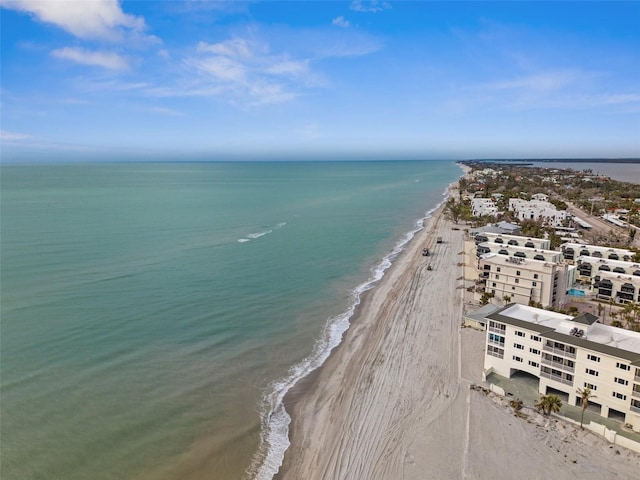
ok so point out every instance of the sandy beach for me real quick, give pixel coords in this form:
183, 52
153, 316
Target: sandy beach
393, 400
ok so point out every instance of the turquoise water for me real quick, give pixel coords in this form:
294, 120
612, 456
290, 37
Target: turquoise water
153, 314
575, 292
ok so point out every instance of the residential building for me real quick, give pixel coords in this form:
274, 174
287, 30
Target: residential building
483, 206
566, 354
617, 287
571, 251
542, 211
516, 240
524, 280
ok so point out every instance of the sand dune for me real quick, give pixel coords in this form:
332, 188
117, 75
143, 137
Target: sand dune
393, 400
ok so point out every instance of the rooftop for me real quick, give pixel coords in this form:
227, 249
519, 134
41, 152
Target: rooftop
593, 335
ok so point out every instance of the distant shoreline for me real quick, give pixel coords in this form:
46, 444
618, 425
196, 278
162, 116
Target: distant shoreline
528, 161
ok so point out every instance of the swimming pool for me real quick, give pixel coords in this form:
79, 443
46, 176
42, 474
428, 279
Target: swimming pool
576, 293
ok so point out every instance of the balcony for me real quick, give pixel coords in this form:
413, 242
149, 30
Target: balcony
635, 394
556, 378
559, 366
496, 343
635, 409
498, 331
558, 351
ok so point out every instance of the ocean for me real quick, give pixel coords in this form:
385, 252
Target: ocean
154, 314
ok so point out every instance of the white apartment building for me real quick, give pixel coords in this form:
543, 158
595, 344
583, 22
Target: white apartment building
518, 251
568, 353
617, 286
571, 251
538, 210
524, 280
590, 267
540, 197
516, 240
483, 206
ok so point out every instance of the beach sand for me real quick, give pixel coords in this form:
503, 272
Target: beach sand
393, 399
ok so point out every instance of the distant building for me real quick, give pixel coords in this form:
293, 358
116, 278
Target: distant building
542, 211
483, 206
566, 354
540, 197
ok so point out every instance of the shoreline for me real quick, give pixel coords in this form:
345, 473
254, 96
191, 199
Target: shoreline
394, 398
311, 392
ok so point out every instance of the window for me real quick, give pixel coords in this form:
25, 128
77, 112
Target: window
497, 326
519, 333
518, 272
591, 372
535, 276
535, 351
496, 339
534, 364
623, 366
497, 278
535, 338
619, 396
495, 351
517, 280
497, 269
517, 359
494, 284
535, 284
593, 358
590, 386
518, 346
621, 381
513, 288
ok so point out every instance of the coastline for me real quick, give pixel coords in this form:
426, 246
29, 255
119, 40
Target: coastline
393, 399
355, 370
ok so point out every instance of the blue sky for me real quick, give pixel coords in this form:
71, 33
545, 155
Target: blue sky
319, 80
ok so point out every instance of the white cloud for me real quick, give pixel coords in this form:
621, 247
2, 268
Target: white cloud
236, 47
108, 60
246, 72
103, 19
341, 22
547, 81
372, 6
13, 136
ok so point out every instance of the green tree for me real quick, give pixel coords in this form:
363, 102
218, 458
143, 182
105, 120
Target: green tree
584, 394
453, 210
548, 404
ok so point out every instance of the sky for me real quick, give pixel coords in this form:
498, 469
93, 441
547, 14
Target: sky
109, 79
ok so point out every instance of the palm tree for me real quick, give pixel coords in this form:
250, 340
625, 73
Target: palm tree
548, 404
584, 394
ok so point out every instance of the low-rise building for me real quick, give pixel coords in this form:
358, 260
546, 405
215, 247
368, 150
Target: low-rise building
516, 240
571, 251
566, 354
542, 211
483, 206
617, 287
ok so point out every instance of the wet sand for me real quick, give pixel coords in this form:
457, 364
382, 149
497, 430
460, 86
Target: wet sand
393, 400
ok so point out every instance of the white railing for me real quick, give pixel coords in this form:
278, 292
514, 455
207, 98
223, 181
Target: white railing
556, 378
560, 366
558, 351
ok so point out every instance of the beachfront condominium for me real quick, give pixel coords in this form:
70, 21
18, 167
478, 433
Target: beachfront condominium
609, 279
565, 354
522, 269
524, 280
571, 252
